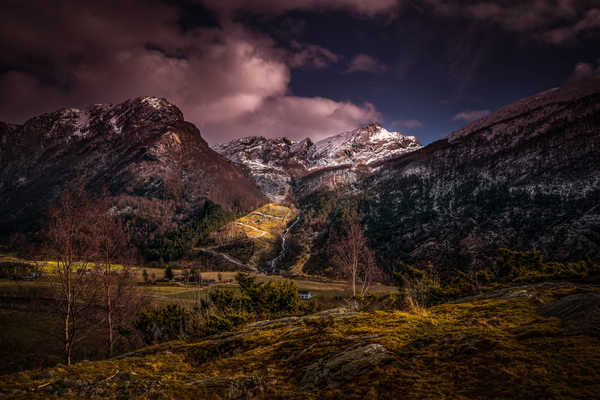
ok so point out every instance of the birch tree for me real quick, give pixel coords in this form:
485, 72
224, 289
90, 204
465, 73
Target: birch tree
354, 260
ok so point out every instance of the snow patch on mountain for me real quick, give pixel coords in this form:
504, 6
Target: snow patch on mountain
364, 145
276, 163
153, 102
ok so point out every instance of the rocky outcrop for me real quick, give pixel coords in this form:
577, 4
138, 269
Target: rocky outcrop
332, 372
140, 150
580, 312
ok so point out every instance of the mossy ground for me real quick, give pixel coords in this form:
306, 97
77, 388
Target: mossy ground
494, 348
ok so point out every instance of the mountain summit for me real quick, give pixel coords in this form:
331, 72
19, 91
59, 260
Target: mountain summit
276, 163
141, 150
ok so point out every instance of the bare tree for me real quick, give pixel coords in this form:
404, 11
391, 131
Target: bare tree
69, 241
353, 258
113, 246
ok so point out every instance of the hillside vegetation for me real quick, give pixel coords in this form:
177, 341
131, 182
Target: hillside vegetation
535, 341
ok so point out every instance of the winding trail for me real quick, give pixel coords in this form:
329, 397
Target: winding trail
262, 233
268, 215
210, 250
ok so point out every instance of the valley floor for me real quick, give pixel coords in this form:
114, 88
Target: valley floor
534, 342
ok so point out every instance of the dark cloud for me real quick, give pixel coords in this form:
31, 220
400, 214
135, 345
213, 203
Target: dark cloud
584, 70
275, 7
223, 78
312, 55
552, 21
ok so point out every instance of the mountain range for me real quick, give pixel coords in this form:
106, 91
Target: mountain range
527, 176
276, 164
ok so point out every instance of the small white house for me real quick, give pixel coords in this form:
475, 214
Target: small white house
304, 294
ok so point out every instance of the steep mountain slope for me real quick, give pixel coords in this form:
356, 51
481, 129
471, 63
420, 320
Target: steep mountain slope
526, 176
276, 164
141, 150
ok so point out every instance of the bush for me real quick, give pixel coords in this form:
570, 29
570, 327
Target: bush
164, 323
320, 325
270, 298
421, 289
19, 270
169, 273
529, 267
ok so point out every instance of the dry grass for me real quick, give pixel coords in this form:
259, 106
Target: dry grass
499, 349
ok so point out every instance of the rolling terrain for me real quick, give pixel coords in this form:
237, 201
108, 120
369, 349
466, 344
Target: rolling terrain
515, 343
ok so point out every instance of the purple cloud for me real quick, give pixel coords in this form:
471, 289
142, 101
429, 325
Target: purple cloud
365, 63
230, 81
311, 55
471, 115
553, 21
277, 7
585, 70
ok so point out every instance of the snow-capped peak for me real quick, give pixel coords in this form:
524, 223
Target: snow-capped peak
275, 163
154, 102
362, 146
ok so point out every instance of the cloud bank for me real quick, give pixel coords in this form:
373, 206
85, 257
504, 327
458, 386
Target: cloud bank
228, 80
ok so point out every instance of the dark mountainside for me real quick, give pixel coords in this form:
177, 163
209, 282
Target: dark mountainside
141, 150
527, 176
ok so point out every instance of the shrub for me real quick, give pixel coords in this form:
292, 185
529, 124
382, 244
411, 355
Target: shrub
529, 267
164, 323
320, 325
270, 298
169, 273
19, 270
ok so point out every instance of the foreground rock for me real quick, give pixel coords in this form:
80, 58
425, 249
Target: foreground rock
580, 312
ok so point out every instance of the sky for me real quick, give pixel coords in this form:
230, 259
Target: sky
295, 68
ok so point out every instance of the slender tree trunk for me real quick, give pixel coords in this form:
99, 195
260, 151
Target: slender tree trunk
354, 281
109, 325
68, 337
354, 269
107, 287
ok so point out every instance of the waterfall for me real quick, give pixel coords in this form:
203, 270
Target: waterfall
282, 251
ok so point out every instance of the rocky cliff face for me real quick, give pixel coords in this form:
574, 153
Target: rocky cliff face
283, 168
527, 176
141, 150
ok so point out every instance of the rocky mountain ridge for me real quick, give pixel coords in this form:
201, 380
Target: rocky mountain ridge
527, 176
276, 164
141, 150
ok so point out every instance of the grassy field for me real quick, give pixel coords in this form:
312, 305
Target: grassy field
32, 339
499, 348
